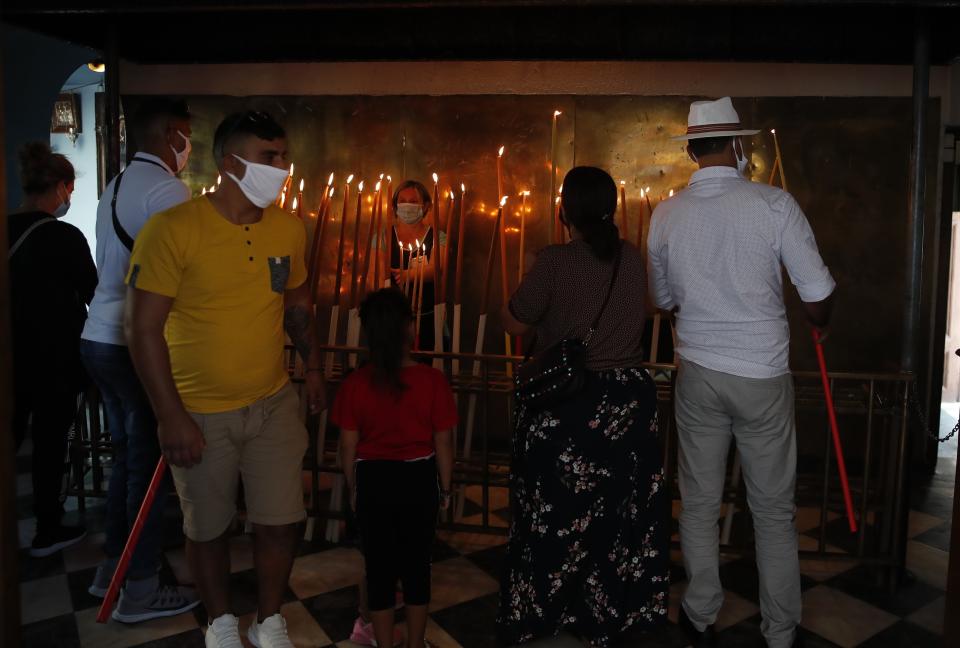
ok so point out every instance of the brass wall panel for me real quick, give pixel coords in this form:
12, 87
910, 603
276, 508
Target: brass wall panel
846, 161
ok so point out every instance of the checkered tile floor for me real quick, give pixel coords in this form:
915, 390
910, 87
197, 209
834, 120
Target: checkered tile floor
844, 604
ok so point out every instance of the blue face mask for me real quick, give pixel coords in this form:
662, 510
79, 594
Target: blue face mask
61, 211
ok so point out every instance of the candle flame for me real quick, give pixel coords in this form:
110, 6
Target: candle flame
203, 192
291, 169
330, 180
212, 189
349, 178
219, 179
389, 179
648, 189
500, 152
503, 201
560, 190
463, 188
436, 179
525, 193
381, 176
623, 182
773, 131
671, 193
332, 189
378, 185
301, 185
557, 113
295, 203
557, 201
360, 186
410, 247
418, 244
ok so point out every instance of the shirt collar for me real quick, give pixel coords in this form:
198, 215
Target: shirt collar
712, 173
140, 155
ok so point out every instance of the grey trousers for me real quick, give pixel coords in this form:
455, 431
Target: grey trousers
711, 408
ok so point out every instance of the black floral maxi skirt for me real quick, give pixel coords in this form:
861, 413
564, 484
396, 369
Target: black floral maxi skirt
589, 538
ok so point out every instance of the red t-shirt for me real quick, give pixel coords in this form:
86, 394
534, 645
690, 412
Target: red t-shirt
396, 427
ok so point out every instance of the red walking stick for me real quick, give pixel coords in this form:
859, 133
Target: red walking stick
837, 446
124, 563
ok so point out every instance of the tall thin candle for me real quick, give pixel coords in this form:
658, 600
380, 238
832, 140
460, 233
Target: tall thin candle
523, 235
623, 209
776, 146
298, 206
485, 295
319, 231
554, 234
338, 282
437, 278
378, 242
444, 267
368, 243
500, 170
355, 259
461, 229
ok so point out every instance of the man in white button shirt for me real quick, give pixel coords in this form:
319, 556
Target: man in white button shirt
161, 129
715, 253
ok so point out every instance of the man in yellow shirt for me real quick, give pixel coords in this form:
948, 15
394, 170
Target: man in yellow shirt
213, 283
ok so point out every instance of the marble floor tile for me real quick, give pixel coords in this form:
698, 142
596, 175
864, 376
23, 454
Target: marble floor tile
34, 568
841, 618
44, 598
467, 543
120, 635
928, 564
58, 632
472, 623
930, 616
458, 580
85, 554
822, 569
188, 639
734, 610
903, 635
326, 571
921, 522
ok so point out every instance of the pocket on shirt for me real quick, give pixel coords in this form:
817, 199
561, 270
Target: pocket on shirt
279, 273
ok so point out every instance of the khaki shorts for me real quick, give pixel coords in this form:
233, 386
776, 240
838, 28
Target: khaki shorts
265, 443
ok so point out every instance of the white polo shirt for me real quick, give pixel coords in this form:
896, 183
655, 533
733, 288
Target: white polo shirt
149, 186
715, 250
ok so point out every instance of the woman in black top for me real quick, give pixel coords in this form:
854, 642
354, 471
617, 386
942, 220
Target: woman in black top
412, 204
588, 539
52, 280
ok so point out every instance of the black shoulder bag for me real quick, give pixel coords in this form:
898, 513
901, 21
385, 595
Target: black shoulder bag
121, 233
557, 373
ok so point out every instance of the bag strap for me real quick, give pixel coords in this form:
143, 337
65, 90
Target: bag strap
121, 233
606, 299
23, 237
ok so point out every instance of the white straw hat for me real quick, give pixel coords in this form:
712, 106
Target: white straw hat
714, 119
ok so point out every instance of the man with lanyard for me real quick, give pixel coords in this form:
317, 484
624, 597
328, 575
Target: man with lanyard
213, 284
161, 130
715, 253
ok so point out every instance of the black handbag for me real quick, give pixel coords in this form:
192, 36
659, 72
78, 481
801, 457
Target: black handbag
557, 373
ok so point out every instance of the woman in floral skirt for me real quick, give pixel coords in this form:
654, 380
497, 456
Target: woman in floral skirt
588, 542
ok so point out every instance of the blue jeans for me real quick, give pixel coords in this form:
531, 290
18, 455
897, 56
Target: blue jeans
133, 431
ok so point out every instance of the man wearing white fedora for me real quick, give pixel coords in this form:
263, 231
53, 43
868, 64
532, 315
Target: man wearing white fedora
715, 252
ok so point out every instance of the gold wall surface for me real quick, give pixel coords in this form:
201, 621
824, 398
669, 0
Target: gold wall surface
846, 161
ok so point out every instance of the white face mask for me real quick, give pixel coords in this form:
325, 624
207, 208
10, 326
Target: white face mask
184, 155
742, 162
410, 213
261, 183
61, 211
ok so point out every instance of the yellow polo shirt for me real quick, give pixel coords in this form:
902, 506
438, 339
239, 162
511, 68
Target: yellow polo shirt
225, 329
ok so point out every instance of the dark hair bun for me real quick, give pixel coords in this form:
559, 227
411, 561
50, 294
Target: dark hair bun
41, 168
589, 203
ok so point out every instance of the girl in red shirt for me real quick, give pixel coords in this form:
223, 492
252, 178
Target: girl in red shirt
396, 418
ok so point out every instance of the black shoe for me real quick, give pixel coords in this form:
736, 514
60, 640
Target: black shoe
49, 542
697, 639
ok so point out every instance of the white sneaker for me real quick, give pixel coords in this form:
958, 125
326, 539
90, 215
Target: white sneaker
272, 633
224, 632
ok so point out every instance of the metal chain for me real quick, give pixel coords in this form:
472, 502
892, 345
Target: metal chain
914, 400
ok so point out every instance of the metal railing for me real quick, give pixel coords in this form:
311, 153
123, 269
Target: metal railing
871, 408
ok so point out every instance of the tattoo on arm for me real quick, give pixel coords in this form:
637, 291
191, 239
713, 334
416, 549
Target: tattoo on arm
297, 322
